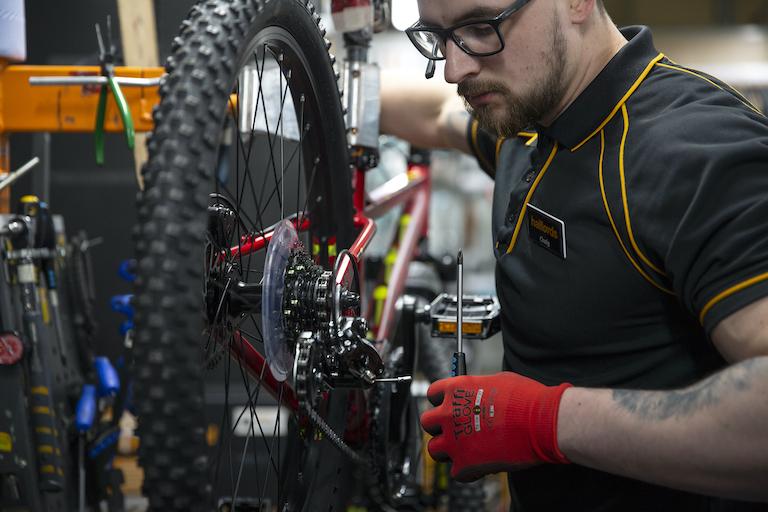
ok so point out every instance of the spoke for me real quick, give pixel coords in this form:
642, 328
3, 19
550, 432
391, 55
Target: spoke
282, 153
283, 96
243, 214
259, 95
260, 209
301, 146
250, 335
290, 161
279, 410
275, 439
270, 140
309, 189
223, 427
225, 423
250, 400
218, 310
238, 197
260, 336
240, 149
216, 353
240, 473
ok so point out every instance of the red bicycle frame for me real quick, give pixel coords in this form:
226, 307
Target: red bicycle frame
412, 191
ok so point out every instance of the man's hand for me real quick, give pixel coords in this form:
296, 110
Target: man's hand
491, 424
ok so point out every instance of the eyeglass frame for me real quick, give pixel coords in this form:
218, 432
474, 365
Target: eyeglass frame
445, 33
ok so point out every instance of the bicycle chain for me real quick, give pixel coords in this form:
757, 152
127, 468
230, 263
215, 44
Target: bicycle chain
303, 370
375, 491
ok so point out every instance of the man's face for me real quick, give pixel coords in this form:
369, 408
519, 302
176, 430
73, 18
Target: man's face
519, 86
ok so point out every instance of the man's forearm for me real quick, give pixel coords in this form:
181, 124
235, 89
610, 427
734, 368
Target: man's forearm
711, 438
426, 114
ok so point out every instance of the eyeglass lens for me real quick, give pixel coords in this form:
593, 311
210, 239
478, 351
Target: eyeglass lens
477, 38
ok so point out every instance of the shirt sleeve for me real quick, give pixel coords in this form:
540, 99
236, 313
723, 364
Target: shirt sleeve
706, 216
484, 147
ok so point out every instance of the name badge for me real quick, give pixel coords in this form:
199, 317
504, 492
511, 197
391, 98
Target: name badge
547, 231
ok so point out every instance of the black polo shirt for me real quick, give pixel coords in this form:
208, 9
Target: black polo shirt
625, 232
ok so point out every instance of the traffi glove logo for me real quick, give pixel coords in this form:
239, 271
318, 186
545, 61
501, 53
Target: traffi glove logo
472, 411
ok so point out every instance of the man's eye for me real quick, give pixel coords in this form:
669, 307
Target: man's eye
478, 31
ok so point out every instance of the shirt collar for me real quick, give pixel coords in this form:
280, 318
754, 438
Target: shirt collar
603, 98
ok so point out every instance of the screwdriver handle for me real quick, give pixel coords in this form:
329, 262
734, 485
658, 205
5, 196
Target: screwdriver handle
458, 364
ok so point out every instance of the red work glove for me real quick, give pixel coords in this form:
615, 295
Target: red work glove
491, 424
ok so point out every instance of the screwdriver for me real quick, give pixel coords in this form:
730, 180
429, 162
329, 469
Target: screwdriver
459, 361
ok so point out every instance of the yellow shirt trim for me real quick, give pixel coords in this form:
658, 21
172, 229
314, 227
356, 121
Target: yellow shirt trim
623, 100
613, 223
730, 291
519, 224
632, 240
531, 136
697, 75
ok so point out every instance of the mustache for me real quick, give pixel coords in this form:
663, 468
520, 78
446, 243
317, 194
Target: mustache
471, 88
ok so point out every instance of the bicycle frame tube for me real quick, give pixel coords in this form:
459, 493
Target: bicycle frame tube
415, 191
257, 367
250, 244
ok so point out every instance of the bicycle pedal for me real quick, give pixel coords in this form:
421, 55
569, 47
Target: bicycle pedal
480, 316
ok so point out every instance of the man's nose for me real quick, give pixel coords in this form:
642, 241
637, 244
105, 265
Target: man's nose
458, 64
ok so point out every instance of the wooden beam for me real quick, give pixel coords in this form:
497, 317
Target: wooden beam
139, 36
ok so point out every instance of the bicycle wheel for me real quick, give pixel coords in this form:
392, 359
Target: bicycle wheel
249, 131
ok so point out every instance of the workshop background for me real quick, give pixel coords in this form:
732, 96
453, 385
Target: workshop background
726, 38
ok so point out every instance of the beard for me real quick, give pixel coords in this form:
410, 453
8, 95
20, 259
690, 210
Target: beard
519, 112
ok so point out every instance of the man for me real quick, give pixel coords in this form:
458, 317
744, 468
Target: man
630, 223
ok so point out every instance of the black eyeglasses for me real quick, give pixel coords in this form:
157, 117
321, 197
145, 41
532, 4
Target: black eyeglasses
479, 38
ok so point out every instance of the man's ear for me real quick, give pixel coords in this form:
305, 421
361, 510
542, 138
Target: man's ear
581, 10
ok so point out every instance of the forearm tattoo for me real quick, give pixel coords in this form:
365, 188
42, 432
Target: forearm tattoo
664, 405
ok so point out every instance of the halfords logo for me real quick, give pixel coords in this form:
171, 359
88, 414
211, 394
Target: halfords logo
545, 228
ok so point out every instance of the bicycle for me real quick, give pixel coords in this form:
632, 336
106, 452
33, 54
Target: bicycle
233, 261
